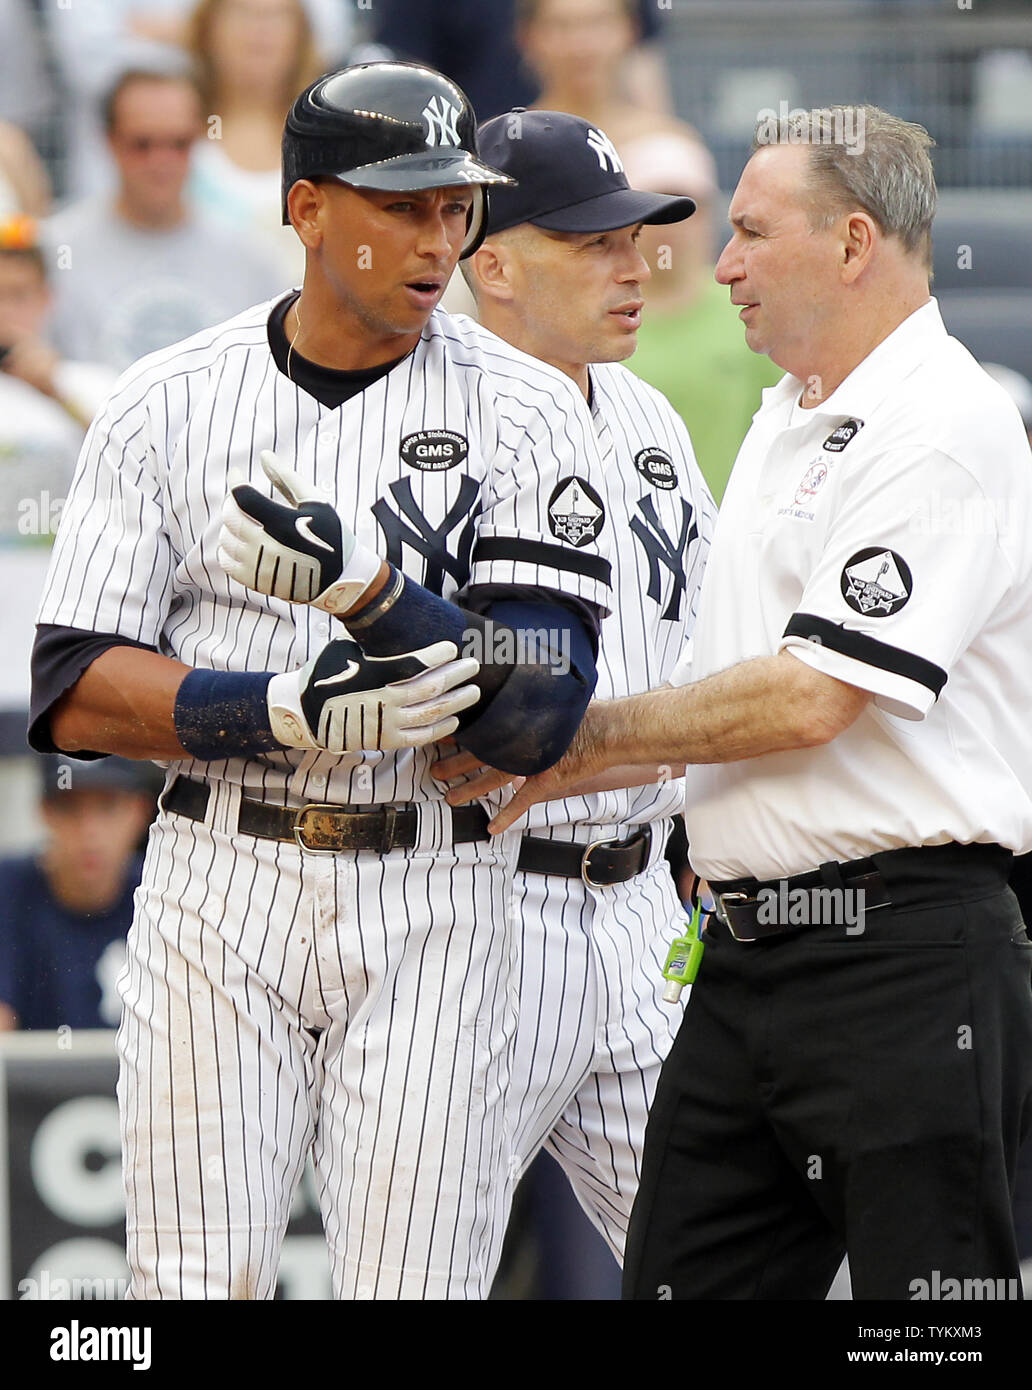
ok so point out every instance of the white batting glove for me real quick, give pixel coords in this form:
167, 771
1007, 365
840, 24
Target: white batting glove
343, 701
302, 553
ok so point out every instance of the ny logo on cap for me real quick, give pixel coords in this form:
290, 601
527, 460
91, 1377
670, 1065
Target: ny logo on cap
606, 151
441, 117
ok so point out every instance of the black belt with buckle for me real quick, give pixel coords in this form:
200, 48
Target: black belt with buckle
324, 827
599, 864
739, 906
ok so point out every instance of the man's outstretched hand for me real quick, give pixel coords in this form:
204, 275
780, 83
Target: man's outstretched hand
581, 761
481, 779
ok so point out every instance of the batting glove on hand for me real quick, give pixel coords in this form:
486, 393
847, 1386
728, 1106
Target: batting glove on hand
302, 553
343, 701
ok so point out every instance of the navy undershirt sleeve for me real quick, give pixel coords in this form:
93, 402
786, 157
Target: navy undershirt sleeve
59, 657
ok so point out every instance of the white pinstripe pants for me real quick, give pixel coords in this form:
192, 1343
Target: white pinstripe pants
359, 1005
593, 1028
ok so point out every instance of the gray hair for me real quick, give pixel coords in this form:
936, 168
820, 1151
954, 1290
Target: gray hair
860, 156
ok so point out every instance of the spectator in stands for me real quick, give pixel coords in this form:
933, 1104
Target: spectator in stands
690, 344
168, 22
143, 269
27, 96
46, 402
65, 913
253, 56
476, 46
92, 41
587, 56
24, 182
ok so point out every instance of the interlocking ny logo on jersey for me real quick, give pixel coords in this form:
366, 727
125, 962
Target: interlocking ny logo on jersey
811, 483
663, 553
441, 121
606, 151
431, 542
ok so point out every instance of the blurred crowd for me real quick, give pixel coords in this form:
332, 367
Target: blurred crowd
140, 203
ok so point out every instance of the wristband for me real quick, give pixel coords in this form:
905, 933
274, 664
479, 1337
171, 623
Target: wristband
404, 615
224, 714
381, 604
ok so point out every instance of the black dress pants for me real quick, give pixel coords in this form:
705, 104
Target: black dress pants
834, 1091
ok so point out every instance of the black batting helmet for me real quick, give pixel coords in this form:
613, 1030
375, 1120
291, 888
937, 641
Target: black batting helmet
390, 126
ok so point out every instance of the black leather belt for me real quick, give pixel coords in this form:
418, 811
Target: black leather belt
799, 902
599, 864
324, 827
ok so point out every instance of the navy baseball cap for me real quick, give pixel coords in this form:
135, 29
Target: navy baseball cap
61, 773
569, 178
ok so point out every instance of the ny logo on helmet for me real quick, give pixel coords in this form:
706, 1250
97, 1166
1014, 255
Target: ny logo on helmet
441, 117
606, 151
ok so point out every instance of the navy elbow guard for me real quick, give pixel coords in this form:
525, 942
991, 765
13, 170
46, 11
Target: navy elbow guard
537, 668
531, 720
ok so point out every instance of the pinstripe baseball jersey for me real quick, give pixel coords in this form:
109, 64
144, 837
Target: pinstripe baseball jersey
358, 1005
593, 1027
662, 518
454, 465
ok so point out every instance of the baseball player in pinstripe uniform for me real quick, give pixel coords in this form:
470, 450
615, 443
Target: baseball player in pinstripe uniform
322, 957
559, 276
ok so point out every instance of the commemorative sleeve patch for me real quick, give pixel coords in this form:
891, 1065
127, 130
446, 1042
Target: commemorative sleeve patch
876, 582
575, 512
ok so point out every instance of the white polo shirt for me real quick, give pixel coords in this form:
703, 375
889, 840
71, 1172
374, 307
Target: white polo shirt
884, 537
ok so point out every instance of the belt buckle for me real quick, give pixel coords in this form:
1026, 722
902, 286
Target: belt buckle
720, 899
301, 828
643, 833
585, 876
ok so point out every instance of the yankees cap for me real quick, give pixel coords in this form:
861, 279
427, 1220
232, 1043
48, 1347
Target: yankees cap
569, 177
